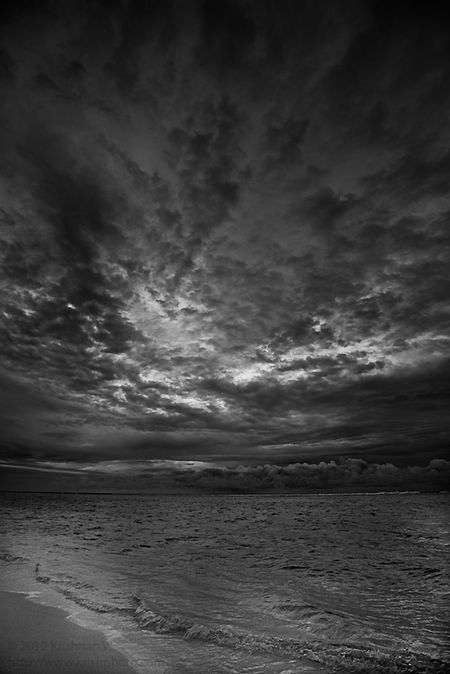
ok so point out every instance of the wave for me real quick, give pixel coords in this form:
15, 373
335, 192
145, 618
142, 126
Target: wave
70, 588
349, 658
335, 626
343, 657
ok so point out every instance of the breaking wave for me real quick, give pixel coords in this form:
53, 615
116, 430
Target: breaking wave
349, 658
343, 656
334, 626
327, 640
70, 588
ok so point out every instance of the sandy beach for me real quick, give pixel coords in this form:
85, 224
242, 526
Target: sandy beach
38, 639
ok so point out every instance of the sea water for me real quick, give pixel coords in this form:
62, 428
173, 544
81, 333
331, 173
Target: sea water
239, 584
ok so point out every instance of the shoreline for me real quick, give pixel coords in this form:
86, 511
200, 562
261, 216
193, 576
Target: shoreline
40, 639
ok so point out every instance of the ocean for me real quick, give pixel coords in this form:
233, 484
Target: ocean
233, 584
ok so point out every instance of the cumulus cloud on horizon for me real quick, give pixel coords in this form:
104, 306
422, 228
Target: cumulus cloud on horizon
198, 476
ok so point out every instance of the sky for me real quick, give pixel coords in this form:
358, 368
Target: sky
224, 245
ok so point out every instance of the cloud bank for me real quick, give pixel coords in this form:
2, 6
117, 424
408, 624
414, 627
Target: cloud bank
341, 475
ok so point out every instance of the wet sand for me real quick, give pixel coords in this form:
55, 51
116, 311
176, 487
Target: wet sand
37, 639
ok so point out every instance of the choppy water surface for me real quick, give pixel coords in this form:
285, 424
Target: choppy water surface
329, 583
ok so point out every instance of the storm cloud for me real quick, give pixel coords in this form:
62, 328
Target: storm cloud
224, 239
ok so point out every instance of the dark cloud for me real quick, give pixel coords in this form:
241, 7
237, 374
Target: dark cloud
351, 474
224, 237
342, 475
7, 67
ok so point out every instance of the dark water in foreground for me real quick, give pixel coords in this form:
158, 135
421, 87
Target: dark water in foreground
240, 584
